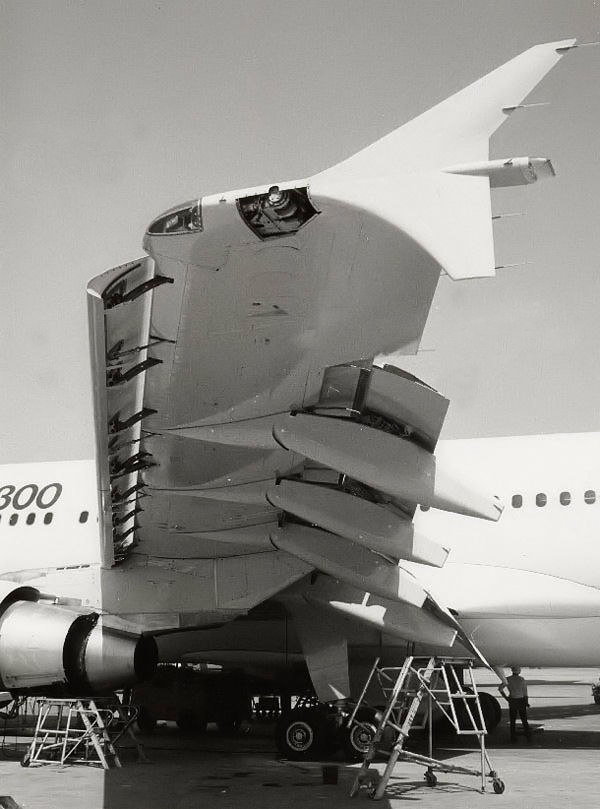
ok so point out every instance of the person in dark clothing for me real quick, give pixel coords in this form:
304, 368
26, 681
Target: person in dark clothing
518, 702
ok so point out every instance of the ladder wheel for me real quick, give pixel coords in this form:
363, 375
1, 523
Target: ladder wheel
430, 778
26, 760
498, 785
368, 779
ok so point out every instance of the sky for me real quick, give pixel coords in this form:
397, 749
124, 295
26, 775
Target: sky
115, 111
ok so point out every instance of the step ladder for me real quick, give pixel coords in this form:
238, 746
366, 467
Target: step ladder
79, 731
436, 681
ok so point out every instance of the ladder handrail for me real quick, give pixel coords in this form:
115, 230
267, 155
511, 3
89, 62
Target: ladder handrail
435, 679
65, 743
363, 692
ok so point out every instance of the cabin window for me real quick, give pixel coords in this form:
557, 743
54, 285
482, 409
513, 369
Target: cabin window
541, 499
590, 497
14, 519
565, 498
517, 500
83, 517
30, 519
48, 518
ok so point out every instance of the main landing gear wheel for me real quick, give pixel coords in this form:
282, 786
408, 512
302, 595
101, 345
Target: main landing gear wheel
356, 740
301, 734
145, 721
186, 721
491, 710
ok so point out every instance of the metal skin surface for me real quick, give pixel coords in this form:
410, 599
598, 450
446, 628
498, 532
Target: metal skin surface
46, 646
239, 354
385, 462
32, 639
372, 526
114, 657
254, 315
349, 562
506, 173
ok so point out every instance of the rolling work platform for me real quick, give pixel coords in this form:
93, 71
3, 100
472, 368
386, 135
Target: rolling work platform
80, 731
445, 682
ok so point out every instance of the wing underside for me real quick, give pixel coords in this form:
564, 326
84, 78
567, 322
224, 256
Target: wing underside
244, 510
245, 437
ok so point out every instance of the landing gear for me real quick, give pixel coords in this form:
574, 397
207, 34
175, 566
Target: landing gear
189, 721
229, 724
356, 740
146, 722
491, 710
320, 730
302, 733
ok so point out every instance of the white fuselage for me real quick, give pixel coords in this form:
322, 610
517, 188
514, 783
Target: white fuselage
527, 589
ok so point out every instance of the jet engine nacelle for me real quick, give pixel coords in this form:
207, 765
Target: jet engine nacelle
46, 647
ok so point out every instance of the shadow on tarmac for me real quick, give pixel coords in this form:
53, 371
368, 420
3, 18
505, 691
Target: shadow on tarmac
244, 770
565, 711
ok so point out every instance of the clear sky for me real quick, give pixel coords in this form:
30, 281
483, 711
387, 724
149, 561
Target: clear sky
114, 111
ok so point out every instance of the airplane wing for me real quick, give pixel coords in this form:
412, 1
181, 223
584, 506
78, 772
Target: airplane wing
244, 435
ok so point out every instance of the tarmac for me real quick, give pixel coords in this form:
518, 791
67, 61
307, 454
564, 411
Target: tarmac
561, 767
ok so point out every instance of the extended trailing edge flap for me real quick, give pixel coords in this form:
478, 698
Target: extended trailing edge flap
348, 562
394, 618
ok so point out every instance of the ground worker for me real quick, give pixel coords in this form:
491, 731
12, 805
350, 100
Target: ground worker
517, 702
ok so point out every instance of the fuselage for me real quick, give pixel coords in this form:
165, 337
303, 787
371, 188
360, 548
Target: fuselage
526, 589
550, 486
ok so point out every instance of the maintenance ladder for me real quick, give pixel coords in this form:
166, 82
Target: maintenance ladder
404, 689
70, 731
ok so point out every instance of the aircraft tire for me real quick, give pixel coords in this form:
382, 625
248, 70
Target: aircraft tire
491, 710
145, 721
229, 724
355, 741
301, 734
187, 721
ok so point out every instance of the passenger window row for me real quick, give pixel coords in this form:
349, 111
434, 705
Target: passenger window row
564, 498
48, 517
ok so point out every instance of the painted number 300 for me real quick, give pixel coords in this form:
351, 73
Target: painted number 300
28, 494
